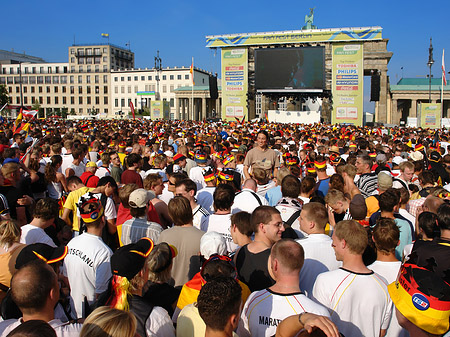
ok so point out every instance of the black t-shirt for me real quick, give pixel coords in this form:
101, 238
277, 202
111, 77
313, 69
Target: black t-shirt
12, 194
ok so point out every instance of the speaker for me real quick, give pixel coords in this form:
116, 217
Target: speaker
213, 92
375, 88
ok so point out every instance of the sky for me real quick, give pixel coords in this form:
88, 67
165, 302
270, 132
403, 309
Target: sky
178, 28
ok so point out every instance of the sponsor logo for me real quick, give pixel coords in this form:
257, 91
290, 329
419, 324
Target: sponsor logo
420, 302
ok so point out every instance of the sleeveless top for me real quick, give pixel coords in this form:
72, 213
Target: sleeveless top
55, 190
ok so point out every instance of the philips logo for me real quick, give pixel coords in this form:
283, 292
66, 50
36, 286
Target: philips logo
420, 302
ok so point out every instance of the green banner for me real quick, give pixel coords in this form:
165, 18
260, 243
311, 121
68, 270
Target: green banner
347, 85
234, 83
430, 115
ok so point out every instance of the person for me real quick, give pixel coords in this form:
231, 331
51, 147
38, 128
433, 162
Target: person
10, 248
251, 259
179, 162
130, 175
406, 174
241, 229
290, 205
314, 325
385, 236
247, 199
182, 235
319, 255
104, 170
56, 180
77, 189
196, 173
384, 182
218, 305
89, 177
273, 195
33, 328
188, 189
154, 182
220, 221
44, 215
35, 290
307, 189
323, 183
76, 167
355, 296
367, 182
205, 195
105, 321
261, 156
116, 169
264, 309
87, 264
130, 274
138, 226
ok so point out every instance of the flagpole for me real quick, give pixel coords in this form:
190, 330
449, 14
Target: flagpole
192, 93
442, 87
3, 107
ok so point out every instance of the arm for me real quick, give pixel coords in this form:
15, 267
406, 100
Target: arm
65, 216
21, 216
163, 212
383, 332
69, 172
62, 180
290, 326
246, 174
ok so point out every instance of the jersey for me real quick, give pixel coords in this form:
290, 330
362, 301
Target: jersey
220, 223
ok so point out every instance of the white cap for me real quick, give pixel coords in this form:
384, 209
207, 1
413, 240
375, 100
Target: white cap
212, 243
139, 198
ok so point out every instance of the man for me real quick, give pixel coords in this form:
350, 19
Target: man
196, 173
35, 290
179, 162
241, 229
319, 255
323, 183
77, 166
406, 174
116, 169
355, 296
290, 205
138, 226
261, 156
77, 189
247, 199
384, 182
251, 259
44, 216
219, 304
130, 175
104, 170
367, 182
205, 195
87, 263
264, 309
187, 188
89, 177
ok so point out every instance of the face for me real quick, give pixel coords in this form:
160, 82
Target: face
158, 187
408, 174
338, 207
261, 140
360, 166
337, 246
274, 228
182, 163
181, 191
109, 190
171, 186
115, 160
303, 222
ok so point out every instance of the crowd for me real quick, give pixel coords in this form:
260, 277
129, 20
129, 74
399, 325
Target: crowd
181, 228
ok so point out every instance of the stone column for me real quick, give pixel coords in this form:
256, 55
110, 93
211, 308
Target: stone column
203, 115
395, 114
413, 109
218, 108
382, 104
177, 108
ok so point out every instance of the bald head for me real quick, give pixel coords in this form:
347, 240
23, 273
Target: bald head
250, 184
432, 204
31, 286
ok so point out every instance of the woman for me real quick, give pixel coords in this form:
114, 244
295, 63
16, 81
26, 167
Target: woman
109, 322
56, 180
9, 249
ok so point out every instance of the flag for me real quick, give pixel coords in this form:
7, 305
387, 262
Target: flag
18, 120
443, 68
29, 113
191, 70
105, 35
132, 108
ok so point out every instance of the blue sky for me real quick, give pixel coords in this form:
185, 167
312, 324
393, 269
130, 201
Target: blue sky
178, 28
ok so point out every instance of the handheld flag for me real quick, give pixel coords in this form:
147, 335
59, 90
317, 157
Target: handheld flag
132, 108
18, 120
29, 113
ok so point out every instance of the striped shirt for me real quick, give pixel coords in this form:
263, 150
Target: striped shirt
367, 184
136, 228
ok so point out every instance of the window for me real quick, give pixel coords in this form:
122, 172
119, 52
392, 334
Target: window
72, 79
142, 78
97, 79
80, 69
89, 100
81, 60
88, 51
171, 77
56, 100
72, 51
49, 70
80, 110
32, 90
64, 89
164, 77
129, 78
48, 79
105, 89
63, 79
25, 100
149, 78
80, 100
172, 102
88, 90
72, 69
105, 50
88, 69
2, 80
80, 51
116, 90
32, 80
80, 89
116, 79
55, 89
56, 70
122, 89
116, 103
136, 88
136, 78
88, 79
41, 100
105, 78
64, 100
40, 89
48, 100
72, 100
17, 100
97, 89
105, 68
122, 102
122, 79
105, 100
41, 70
9, 80
47, 89
97, 100
129, 89
25, 90
97, 51
17, 90
172, 87
186, 77
105, 59
80, 79
164, 88
157, 78
55, 79
72, 89
72, 60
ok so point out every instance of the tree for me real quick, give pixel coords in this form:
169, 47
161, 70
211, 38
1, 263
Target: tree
4, 95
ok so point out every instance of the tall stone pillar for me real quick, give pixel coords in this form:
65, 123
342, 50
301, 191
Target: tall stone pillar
382, 104
177, 108
203, 115
395, 113
413, 109
218, 108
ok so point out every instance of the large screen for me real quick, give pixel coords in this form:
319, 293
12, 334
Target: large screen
290, 68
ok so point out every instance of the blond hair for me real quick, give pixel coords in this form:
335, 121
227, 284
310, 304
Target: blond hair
333, 196
354, 235
109, 322
8, 169
9, 232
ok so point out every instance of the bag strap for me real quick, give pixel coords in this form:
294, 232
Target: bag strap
292, 218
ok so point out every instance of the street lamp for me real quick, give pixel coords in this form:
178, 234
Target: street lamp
158, 68
429, 64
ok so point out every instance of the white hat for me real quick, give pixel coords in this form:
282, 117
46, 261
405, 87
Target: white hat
169, 153
398, 160
416, 156
139, 198
212, 243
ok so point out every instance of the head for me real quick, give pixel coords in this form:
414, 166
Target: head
363, 164
240, 222
313, 218
307, 186
180, 211
223, 197
173, 179
262, 139
286, 257
160, 263
74, 183
115, 159
9, 232
290, 187
110, 185
46, 209
11, 172
406, 170
389, 200
266, 222
154, 182
349, 237
33, 328
186, 188
109, 322
219, 304
432, 204
386, 236
134, 160
427, 227
443, 217
337, 201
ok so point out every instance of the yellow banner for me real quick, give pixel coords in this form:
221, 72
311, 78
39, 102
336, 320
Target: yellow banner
234, 83
347, 85
430, 115
300, 36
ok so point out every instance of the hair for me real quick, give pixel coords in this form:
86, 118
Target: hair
290, 187
68, 144
46, 209
386, 235
106, 158
73, 180
262, 214
124, 194
365, 158
158, 159
388, 200
180, 211
432, 203
33, 328
9, 232
260, 175
133, 158
189, 185
281, 173
426, 177
107, 179
349, 169
427, 221
159, 262
217, 301
109, 322
317, 213
223, 197
138, 212
265, 133
8, 169
308, 184
290, 254
354, 235
50, 168
152, 180
242, 220
217, 268
406, 164
31, 286
77, 153
404, 195
443, 216
337, 182
333, 196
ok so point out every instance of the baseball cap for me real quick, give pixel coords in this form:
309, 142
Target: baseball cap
139, 198
129, 260
212, 243
90, 207
41, 251
91, 164
397, 160
384, 181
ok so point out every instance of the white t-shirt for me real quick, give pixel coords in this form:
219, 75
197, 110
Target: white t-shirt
247, 201
199, 214
67, 160
359, 304
87, 266
166, 195
32, 234
205, 198
61, 329
319, 258
159, 324
220, 223
102, 172
264, 310
196, 175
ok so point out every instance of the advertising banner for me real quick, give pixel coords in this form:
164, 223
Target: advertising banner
157, 110
348, 80
430, 115
234, 83
299, 36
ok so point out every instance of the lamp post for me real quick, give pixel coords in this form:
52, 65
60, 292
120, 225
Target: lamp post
158, 68
430, 63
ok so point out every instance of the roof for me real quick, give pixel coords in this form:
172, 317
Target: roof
418, 84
